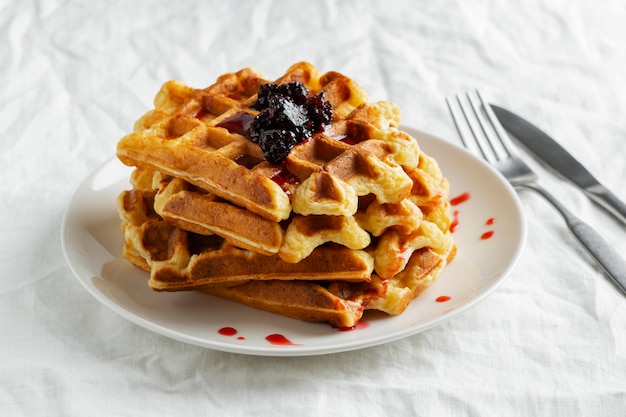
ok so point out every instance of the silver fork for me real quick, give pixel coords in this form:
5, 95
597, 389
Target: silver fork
480, 130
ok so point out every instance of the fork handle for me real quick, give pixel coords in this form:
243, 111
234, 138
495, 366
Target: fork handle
607, 258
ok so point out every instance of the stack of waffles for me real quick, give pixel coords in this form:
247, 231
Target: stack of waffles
355, 218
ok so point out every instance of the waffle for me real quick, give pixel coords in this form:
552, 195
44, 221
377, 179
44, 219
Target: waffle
193, 134
188, 208
302, 300
178, 259
355, 217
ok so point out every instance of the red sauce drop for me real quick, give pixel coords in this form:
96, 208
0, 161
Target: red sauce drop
227, 331
279, 339
237, 123
490, 221
442, 299
487, 235
455, 221
241, 338
359, 326
460, 199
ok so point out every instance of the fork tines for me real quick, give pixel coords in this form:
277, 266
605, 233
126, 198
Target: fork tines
475, 122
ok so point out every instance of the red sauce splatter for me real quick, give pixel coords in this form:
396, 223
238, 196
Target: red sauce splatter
359, 326
490, 221
227, 331
279, 339
455, 221
241, 338
487, 235
442, 298
460, 199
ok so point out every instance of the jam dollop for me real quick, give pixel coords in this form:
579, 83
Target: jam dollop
288, 116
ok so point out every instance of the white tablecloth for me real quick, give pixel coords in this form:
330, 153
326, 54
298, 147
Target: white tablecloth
76, 74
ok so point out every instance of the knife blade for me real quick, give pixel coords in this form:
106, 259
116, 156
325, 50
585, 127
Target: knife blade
555, 156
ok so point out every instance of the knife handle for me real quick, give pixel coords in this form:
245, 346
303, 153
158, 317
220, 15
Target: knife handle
607, 258
603, 196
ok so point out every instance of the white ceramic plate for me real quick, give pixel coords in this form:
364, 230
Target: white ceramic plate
92, 244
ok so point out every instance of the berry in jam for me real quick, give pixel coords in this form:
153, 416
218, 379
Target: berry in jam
276, 144
319, 110
284, 112
296, 90
287, 117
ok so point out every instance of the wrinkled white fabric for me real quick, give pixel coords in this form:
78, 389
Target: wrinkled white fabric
76, 74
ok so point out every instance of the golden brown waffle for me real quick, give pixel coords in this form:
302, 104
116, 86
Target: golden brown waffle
354, 218
302, 300
188, 208
182, 136
182, 260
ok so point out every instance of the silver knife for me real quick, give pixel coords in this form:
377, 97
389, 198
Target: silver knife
554, 155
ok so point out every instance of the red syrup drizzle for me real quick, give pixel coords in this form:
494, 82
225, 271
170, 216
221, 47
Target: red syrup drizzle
462, 198
487, 235
230, 331
359, 326
350, 140
201, 113
442, 298
227, 331
237, 123
455, 221
248, 161
284, 178
280, 340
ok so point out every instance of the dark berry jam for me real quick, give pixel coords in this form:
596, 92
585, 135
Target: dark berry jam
201, 113
288, 116
237, 123
248, 161
284, 176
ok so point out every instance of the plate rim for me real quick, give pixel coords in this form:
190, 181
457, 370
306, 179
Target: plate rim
271, 350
